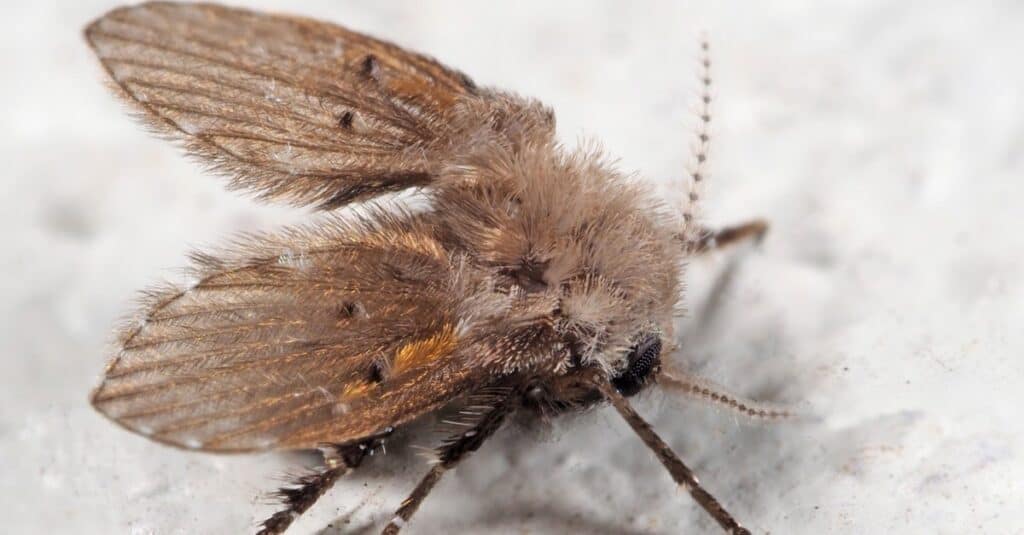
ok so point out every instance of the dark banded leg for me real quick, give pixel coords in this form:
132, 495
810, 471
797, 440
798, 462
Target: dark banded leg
339, 460
412, 503
679, 471
454, 449
709, 240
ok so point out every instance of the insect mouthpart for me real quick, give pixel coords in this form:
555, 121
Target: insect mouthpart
644, 358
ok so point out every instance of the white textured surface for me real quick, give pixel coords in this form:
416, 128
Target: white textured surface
884, 140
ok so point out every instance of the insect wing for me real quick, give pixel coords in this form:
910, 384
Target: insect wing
323, 334
291, 109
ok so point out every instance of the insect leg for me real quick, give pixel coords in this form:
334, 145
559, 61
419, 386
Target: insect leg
709, 240
339, 461
679, 471
453, 450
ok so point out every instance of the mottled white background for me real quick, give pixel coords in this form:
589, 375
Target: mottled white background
884, 140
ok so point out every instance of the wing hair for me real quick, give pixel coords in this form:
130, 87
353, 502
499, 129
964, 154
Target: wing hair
294, 109
317, 334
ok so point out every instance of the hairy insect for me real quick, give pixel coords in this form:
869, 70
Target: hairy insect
537, 279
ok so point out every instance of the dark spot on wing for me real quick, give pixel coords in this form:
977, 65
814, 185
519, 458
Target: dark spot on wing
467, 82
345, 120
376, 374
348, 309
369, 67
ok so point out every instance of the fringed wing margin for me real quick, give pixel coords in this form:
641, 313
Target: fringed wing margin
314, 335
297, 110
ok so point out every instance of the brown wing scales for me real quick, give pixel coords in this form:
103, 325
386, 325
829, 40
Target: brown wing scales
323, 334
291, 341
265, 98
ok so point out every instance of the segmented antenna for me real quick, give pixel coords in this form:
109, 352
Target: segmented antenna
698, 167
717, 395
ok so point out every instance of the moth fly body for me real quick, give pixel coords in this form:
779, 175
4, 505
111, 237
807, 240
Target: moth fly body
537, 280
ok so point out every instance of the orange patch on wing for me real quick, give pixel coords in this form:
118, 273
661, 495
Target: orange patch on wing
357, 389
423, 351
414, 88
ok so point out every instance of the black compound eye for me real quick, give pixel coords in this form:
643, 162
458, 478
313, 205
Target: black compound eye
644, 358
